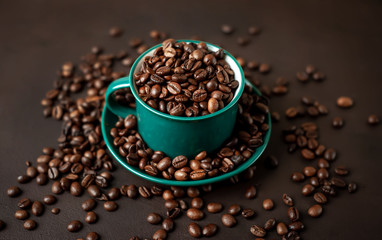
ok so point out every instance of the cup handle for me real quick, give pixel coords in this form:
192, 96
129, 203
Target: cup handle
111, 104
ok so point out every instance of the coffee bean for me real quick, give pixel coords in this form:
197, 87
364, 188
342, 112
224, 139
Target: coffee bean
91, 217
250, 192
228, 220
296, 226
213, 105
345, 102
373, 120
88, 204
281, 229
173, 213
322, 173
21, 214
194, 230
297, 177
13, 191
252, 30
49, 199
209, 230
113, 194
258, 231
53, 173
2, 225
24, 203
352, 187
93, 236
31, 172
132, 191
160, 234
293, 214
322, 163
154, 218
320, 198
315, 211
227, 29
37, 208
110, 206
30, 224
168, 224
271, 162
198, 174
74, 226
115, 32
309, 171
248, 213
269, 224
307, 154
268, 204
307, 190
197, 203
55, 211
76, 189
338, 182
214, 207
341, 170
302, 76
338, 122
234, 209
23, 179
56, 187
264, 68
287, 200
94, 191
195, 214
179, 161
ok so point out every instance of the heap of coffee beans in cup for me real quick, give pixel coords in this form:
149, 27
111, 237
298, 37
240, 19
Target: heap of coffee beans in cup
251, 127
186, 79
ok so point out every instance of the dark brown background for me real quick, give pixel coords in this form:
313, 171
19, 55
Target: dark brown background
342, 38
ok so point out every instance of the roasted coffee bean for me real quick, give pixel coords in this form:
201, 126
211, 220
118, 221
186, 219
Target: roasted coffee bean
296, 226
110, 206
214, 207
373, 120
228, 220
76, 189
297, 177
322, 163
195, 214
340, 170
307, 190
338, 122
193, 192
307, 154
49, 199
314, 181
247, 213
91, 217
24, 203
113, 194
13, 191
92, 236
345, 102
268, 204
320, 198
269, 224
154, 218
281, 229
322, 173
88, 204
209, 230
132, 191
115, 32
234, 209
227, 29
194, 230
23, 179
94, 191
37, 208
30, 224
271, 162
74, 226
31, 172
250, 192
197, 203
55, 211
302, 76
309, 171
338, 182
21, 214
179, 161
287, 200
170, 204
173, 213
293, 214
352, 187
315, 211
258, 231
168, 224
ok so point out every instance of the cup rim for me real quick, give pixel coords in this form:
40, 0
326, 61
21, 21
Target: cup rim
236, 98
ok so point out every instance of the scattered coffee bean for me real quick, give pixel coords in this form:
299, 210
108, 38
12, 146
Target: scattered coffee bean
91, 217
49, 199
287, 200
234, 209
74, 226
13, 191
214, 207
296, 226
160, 234
115, 32
228, 220
37, 208
271, 162
250, 192
293, 214
338, 122
297, 177
210, 230
144, 192
195, 214
258, 231
194, 230
154, 218
307, 190
252, 30
268, 204
93, 236
30, 224
24, 203
345, 102
315, 211
21, 214
247, 213
197, 203
55, 211
341, 170
281, 229
352, 187
320, 198
88, 204
269, 224
110, 206
168, 224
373, 120
227, 29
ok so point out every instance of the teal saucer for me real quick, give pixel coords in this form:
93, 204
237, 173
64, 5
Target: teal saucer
109, 120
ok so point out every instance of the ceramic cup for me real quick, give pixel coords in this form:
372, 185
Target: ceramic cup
175, 135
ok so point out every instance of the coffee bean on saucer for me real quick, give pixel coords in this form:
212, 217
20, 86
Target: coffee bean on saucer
74, 226
30, 224
13, 191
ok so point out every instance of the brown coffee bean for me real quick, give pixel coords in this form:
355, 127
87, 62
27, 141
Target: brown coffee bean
297, 177
37, 208
213, 105
309, 171
144, 192
93, 236
352, 187
250, 192
91, 217
154, 218
287, 200
55, 211
258, 231
341, 170
88, 204
76, 189
21, 214
214, 207
110, 206
281, 229
307, 154
194, 230
180, 161
30, 224
373, 120
307, 190
320, 198
197, 203
13, 191
227, 29
24, 203
168, 224
234, 209
248, 213
74, 226
209, 230
338, 122
269, 224
115, 32
345, 102
268, 204
315, 211
49, 199
293, 214
195, 214
228, 220
296, 226
160, 234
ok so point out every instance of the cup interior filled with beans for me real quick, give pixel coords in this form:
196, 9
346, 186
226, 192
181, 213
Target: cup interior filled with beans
188, 117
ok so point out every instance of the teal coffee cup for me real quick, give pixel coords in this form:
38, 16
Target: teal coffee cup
176, 135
